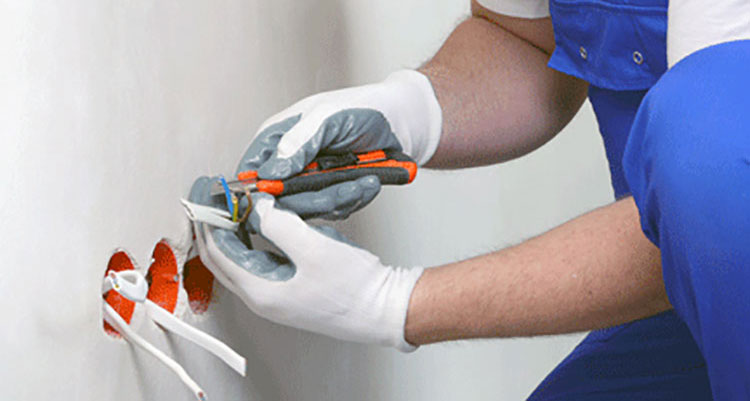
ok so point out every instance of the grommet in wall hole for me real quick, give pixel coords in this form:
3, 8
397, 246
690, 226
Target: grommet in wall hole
198, 282
584, 54
119, 261
637, 57
163, 277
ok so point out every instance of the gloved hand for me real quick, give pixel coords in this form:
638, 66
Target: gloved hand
321, 283
401, 113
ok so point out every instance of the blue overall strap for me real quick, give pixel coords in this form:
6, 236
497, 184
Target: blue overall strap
687, 163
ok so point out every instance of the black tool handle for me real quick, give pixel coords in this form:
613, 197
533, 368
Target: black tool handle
391, 168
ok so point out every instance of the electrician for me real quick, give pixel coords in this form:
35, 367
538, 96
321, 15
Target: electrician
661, 276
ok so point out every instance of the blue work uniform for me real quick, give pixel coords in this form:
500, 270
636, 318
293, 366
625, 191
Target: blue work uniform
678, 140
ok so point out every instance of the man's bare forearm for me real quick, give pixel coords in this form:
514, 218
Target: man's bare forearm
595, 271
499, 102
499, 99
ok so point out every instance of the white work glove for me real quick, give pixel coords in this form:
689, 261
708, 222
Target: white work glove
401, 113
322, 283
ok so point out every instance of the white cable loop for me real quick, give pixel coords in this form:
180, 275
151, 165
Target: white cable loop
128, 283
133, 286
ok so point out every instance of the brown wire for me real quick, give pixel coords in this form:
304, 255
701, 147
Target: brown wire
249, 207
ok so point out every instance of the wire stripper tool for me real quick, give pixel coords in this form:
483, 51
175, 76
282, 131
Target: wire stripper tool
391, 167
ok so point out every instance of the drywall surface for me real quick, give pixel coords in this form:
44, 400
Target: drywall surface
111, 108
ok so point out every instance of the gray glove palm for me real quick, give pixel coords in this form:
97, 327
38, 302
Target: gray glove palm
401, 113
319, 281
333, 203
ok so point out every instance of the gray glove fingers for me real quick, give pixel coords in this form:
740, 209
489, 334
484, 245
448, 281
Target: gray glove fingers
200, 193
355, 130
264, 144
329, 232
253, 220
335, 202
263, 264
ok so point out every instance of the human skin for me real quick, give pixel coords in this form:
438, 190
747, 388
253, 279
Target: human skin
499, 102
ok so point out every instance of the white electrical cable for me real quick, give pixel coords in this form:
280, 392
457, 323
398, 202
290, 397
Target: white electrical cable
114, 318
210, 344
209, 215
107, 285
133, 286
128, 283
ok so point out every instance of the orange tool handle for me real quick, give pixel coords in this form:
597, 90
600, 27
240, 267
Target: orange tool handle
391, 167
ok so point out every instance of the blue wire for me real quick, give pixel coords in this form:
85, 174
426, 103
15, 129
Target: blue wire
227, 194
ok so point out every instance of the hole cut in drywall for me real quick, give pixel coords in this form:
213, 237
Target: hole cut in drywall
163, 277
119, 261
199, 284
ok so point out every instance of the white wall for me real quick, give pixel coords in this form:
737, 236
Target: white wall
111, 108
